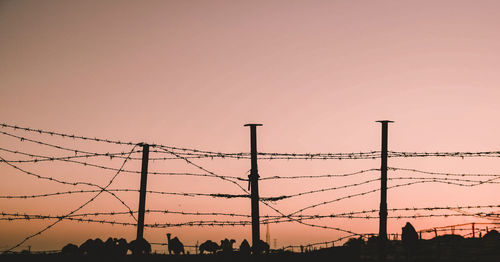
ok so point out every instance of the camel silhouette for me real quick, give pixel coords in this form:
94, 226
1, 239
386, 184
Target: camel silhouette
121, 247
209, 246
245, 249
92, 247
175, 245
70, 249
139, 247
227, 246
261, 247
492, 235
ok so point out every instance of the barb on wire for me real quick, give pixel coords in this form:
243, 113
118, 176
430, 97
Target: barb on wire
42, 158
321, 156
52, 133
69, 159
72, 150
442, 173
75, 210
351, 214
184, 151
200, 175
422, 181
244, 190
215, 195
450, 181
64, 183
364, 213
489, 181
376, 217
321, 176
78, 217
270, 156
325, 189
358, 194
203, 169
444, 154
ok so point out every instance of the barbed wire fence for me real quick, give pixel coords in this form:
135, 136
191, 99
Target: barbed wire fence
17, 159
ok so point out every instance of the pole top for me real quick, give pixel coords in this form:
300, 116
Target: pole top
253, 125
385, 121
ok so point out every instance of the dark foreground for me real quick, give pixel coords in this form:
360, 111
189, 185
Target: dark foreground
455, 252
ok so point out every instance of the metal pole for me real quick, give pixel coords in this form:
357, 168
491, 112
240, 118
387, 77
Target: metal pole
254, 185
383, 192
142, 192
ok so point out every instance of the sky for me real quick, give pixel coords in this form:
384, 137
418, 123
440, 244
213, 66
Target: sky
190, 74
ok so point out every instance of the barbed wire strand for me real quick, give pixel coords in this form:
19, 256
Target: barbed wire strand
53, 133
203, 169
17, 216
451, 181
110, 141
74, 211
68, 183
270, 156
277, 198
243, 189
72, 150
365, 193
196, 151
239, 186
347, 214
42, 158
66, 159
187, 194
394, 154
320, 176
442, 173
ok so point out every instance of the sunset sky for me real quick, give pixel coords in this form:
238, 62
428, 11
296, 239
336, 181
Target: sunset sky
190, 74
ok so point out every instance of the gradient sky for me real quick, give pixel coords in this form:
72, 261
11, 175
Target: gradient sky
317, 74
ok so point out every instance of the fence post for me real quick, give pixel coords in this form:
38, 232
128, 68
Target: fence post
254, 186
383, 192
142, 192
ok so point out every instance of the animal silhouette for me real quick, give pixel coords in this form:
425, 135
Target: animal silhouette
353, 248
92, 247
139, 247
492, 235
70, 249
115, 247
227, 246
261, 247
110, 247
355, 243
409, 236
245, 249
175, 245
121, 247
209, 246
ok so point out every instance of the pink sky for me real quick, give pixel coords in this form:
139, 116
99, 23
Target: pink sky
317, 74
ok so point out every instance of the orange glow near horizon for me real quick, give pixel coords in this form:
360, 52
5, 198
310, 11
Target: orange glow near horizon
317, 75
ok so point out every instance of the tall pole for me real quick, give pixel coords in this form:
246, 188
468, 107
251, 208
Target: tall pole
383, 192
254, 185
142, 192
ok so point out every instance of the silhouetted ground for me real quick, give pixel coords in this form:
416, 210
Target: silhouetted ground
445, 248
331, 254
